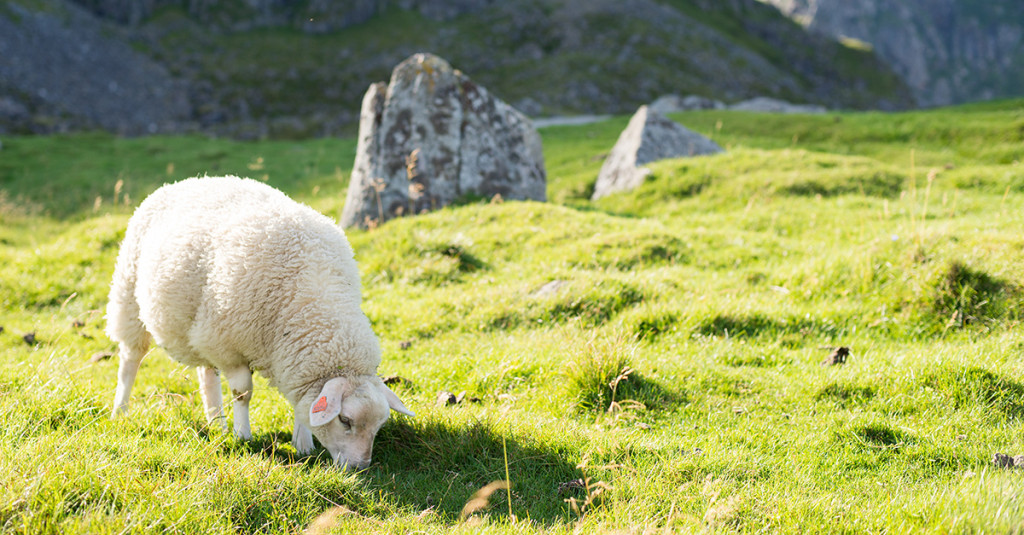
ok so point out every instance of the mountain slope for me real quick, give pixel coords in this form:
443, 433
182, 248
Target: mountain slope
280, 68
948, 51
61, 69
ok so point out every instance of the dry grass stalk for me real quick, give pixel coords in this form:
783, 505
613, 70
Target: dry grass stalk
482, 498
328, 519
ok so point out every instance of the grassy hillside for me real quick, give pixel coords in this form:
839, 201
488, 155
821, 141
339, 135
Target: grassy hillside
664, 346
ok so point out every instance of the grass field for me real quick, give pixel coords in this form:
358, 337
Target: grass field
672, 361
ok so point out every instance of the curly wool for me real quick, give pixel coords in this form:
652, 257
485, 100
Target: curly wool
227, 272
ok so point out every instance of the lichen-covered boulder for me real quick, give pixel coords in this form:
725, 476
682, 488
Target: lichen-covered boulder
432, 136
648, 137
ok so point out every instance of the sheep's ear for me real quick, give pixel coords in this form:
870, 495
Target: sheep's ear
395, 403
327, 405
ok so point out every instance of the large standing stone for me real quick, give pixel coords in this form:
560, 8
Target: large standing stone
432, 136
648, 137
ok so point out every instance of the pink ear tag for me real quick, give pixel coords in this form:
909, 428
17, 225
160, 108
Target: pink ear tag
320, 405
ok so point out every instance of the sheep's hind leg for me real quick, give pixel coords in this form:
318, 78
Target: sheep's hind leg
131, 355
302, 438
240, 381
212, 394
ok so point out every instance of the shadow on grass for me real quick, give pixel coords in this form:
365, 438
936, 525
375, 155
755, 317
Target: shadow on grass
591, 306
789, 331
423, 464
434, 464
977, 386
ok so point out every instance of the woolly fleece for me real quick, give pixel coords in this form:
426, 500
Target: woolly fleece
227, 272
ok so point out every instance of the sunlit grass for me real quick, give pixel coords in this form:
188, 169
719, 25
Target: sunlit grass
651, 361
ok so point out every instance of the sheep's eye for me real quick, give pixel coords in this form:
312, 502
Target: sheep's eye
345, 422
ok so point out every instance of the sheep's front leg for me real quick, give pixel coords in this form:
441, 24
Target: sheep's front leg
240, 381
127, 369
131, 357
302, 437
212, 394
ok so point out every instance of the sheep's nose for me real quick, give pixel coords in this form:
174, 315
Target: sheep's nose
353, 464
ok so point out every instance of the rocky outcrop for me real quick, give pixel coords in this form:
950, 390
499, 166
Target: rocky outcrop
432, 136
673, 103
64, 70
547, 57
314, 16
947, 51
774, 105
648, 137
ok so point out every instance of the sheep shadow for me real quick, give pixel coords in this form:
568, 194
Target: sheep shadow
430, 464
439, 466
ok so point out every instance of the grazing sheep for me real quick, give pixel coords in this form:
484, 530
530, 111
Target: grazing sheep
230, 274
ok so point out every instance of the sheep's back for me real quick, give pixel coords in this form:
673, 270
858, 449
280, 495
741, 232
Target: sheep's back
223, 263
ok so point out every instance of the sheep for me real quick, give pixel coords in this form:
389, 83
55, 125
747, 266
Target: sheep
230, 275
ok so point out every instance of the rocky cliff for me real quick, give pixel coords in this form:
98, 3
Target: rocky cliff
948, 51
253, 68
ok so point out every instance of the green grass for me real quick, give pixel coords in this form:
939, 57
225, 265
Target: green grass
676, 368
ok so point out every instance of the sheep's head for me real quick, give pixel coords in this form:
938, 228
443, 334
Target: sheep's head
346, 415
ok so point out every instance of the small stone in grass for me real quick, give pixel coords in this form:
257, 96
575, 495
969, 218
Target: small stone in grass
1003, 460
551, 288
395, 380
462, 397
102, 355
445, 398
837, 357
29, 338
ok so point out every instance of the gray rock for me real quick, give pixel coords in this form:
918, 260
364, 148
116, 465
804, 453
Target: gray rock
445, 398
648, 137
529, 106
12, 110
1003, 460
773, 105
551, 288
100, 356
433, 136
674, 103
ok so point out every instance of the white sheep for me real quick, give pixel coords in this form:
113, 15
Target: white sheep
230, 274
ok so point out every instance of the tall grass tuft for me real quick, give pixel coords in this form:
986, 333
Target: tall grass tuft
600, 376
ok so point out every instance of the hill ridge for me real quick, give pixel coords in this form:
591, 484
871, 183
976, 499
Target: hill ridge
267, 74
